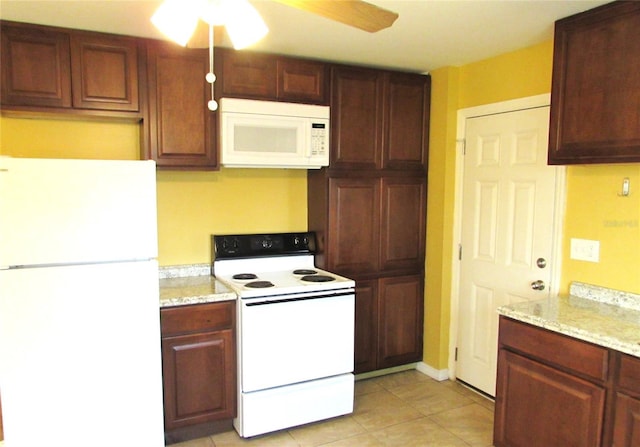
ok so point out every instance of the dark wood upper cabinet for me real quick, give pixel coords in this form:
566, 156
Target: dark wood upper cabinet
104, 72
380, 120
595, 95
45, 68
276, 78
181, 130
408, 110
247, 75
36, 67
356, 118
301, 81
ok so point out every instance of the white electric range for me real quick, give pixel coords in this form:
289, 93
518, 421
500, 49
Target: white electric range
295, 326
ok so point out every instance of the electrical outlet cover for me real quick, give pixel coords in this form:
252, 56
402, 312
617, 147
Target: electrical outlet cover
585, 250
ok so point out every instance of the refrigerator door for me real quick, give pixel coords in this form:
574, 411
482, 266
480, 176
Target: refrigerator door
76, 211
81, 357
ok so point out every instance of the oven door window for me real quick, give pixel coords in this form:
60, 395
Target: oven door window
294, 341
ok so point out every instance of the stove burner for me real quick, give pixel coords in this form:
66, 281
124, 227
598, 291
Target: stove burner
245, 276
304, 272
317, 278
259, 284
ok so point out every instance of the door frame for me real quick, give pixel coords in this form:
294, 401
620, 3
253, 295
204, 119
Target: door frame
514, 105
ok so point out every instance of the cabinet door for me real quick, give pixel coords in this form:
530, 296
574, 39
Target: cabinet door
595, 95
356, 118
199, 379
626, 430
181, 129
538, 406
354, 225
366, 328
248, 75
403, 223
104, 72
400, 320
407, 136
301, 81
36, 67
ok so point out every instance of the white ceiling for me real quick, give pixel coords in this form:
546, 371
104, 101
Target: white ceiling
428, 34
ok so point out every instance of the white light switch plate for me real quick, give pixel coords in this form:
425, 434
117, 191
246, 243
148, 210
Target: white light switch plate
585, 250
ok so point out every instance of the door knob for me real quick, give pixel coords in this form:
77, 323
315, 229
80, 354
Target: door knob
537, 285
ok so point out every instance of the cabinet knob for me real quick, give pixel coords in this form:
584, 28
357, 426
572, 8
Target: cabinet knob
538, 285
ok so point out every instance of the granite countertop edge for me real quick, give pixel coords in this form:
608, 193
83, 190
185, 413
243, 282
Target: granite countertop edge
600, 314
184, 285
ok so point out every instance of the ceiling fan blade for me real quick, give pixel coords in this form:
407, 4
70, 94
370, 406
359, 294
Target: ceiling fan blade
356, 13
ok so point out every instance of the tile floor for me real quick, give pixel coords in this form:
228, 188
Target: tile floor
402, 409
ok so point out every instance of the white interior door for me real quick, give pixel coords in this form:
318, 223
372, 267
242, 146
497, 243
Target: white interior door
507, 231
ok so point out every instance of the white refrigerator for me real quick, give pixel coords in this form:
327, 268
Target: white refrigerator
80, 358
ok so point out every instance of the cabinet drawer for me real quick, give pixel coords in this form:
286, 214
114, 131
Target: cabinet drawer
629, 374
577, 356
197, 318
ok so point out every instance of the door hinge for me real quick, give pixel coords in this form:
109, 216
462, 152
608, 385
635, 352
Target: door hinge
456, 355
459, 252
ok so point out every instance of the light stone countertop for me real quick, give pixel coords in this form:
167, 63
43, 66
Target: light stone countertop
605, 317
191, 284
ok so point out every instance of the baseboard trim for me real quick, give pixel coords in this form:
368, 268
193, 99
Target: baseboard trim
384, 372
438, 374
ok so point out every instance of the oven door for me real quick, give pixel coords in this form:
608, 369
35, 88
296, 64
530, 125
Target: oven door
286, 341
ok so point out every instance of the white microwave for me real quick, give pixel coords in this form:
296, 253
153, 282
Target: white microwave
268, 134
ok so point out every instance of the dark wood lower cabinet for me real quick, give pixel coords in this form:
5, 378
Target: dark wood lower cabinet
626, 432
198, 368
400, 320
626, 429
544, 407
388, 330
196, 376
366, 328
554, 390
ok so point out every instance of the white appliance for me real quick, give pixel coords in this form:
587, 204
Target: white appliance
80, 357
273, 134
295, 331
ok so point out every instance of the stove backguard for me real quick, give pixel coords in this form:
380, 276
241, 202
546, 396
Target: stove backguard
236, 246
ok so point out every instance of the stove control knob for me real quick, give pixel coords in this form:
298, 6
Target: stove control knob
267, 243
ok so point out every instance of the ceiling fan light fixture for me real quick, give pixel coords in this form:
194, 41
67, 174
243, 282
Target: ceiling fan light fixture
243, 23
177, 19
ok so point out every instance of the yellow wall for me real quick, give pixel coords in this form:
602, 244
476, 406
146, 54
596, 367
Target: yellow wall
191, 205
593, 209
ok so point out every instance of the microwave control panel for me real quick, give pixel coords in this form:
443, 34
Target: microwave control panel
319, 138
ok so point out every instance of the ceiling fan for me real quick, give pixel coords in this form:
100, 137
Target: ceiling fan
356, 13
196, 23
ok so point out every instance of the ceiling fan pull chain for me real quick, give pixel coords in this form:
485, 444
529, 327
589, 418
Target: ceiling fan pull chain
211, 77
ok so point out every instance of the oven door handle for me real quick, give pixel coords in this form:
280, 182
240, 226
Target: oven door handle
302, 298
